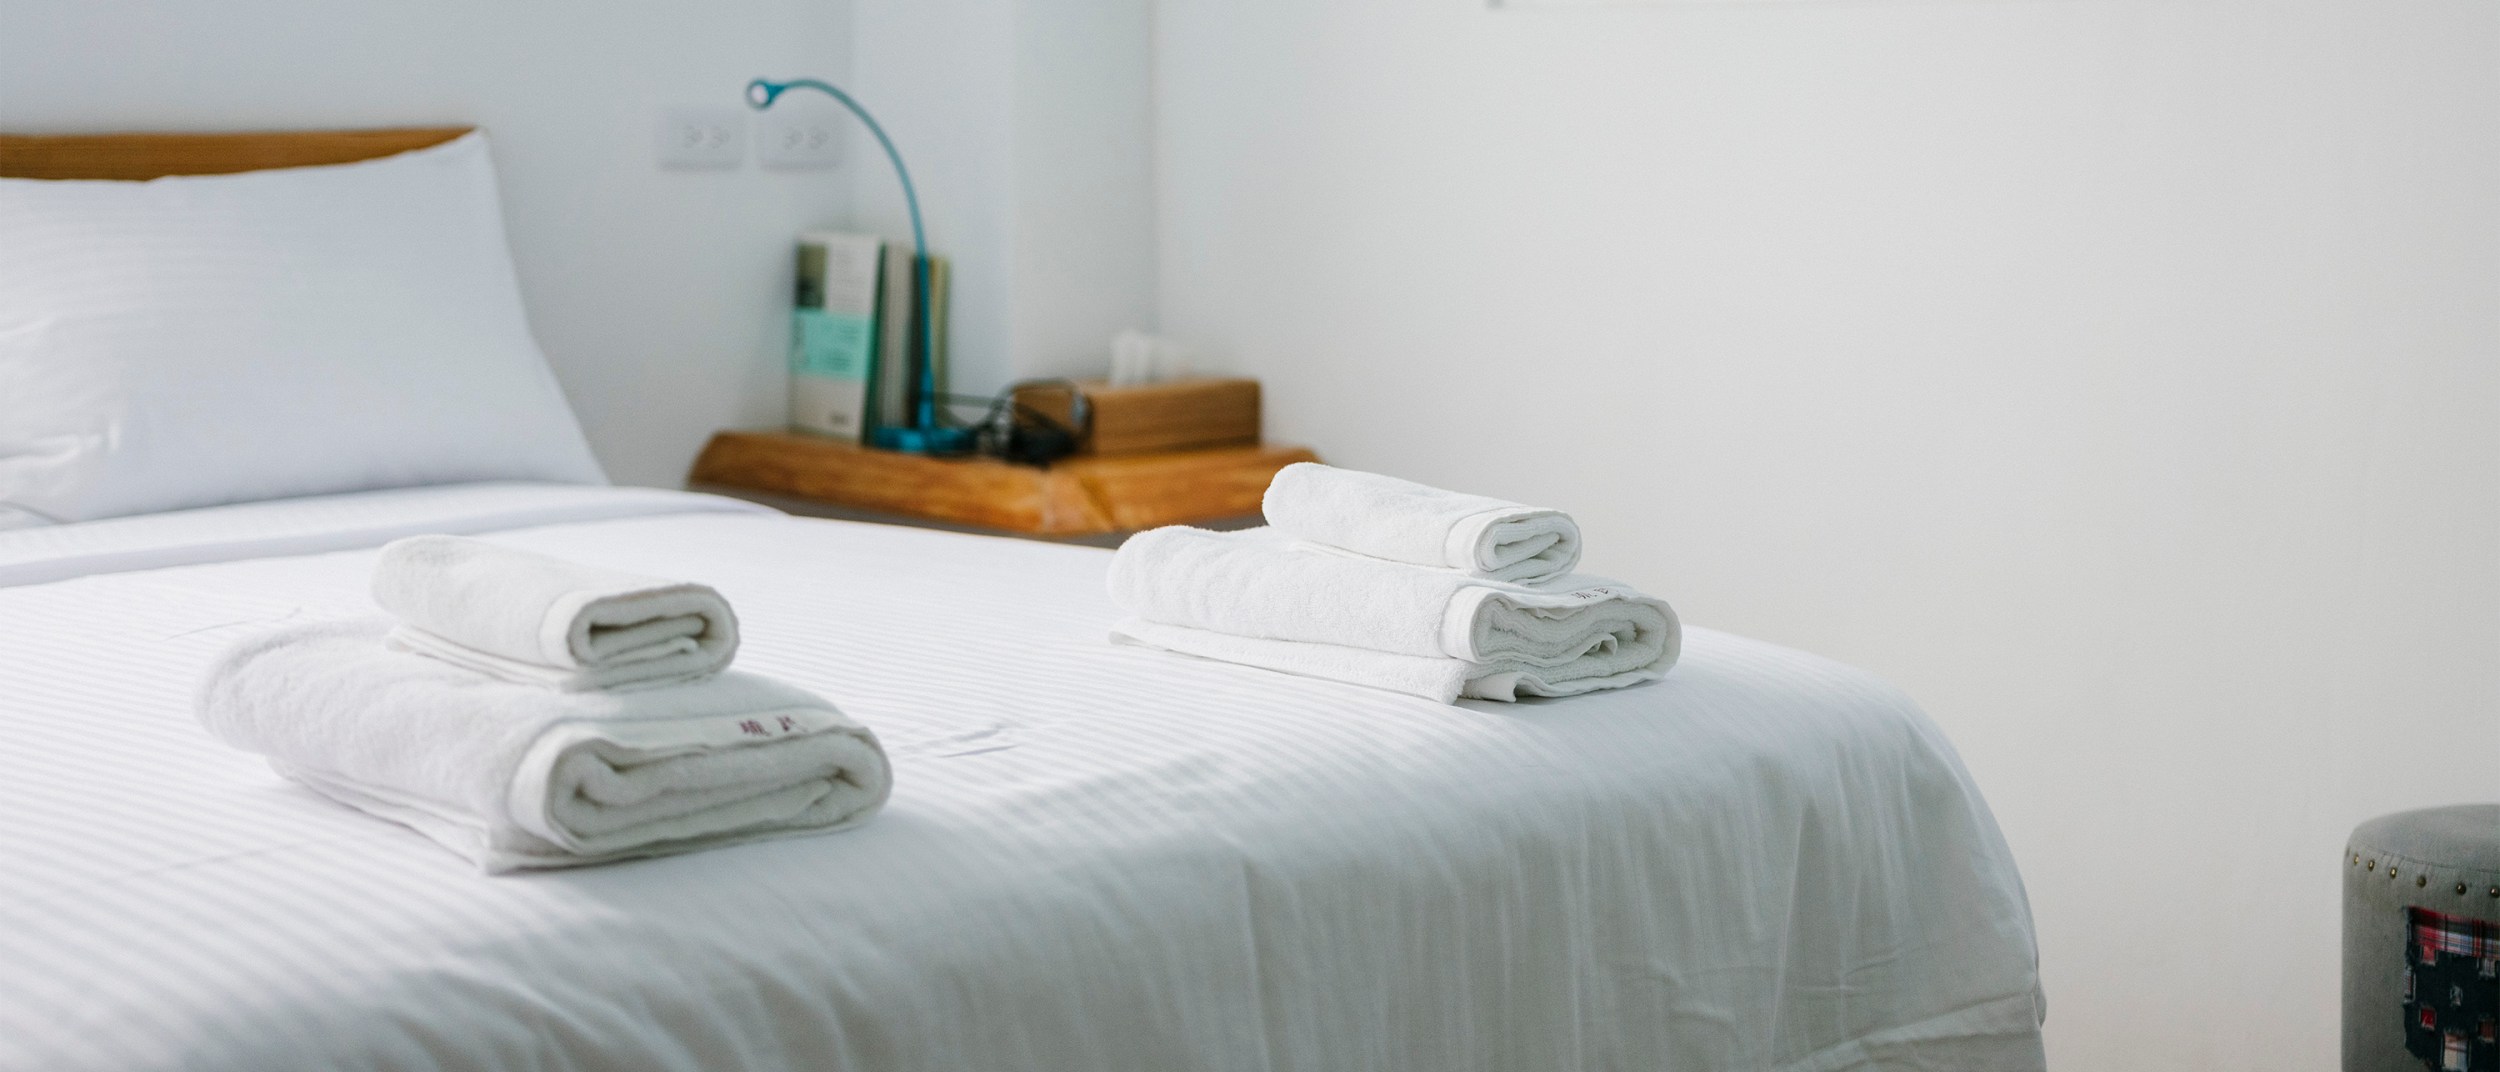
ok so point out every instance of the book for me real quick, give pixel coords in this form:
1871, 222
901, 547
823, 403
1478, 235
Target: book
890, 388
904, 345
939, 290
833, 333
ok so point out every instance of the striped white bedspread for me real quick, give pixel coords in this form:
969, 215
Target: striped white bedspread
1097, 857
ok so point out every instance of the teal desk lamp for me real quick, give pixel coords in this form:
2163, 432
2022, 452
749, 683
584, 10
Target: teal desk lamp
925, 435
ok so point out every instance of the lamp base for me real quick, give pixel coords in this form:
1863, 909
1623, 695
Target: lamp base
934, 441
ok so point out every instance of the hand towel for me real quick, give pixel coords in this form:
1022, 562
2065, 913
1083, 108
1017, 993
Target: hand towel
544, 621
1260, 599
515, 776
1402, 521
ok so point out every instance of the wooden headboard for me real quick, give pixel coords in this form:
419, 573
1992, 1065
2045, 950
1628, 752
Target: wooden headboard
149, 156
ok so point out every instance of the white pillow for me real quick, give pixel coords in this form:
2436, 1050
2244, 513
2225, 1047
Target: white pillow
201, 340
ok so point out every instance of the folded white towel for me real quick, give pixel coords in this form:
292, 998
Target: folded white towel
1399, 520
1255, 597
1443, 680
514, 776
544, 621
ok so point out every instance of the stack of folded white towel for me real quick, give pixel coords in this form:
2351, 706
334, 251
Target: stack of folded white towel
1378, 581
530, 712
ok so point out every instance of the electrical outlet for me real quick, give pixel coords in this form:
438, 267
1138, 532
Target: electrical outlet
799, 139
703, 137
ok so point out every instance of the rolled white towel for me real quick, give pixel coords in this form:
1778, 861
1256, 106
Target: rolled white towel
1255, 597
538, 620
1402, 521
513, 776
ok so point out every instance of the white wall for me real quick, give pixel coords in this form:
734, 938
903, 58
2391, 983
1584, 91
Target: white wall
1085, 240
940, 76
2122, 378
1027, 128
660, 297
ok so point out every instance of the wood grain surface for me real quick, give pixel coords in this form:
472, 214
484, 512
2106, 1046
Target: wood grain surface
1077, 496
150, 155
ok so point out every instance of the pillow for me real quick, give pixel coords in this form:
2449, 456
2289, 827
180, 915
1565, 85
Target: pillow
201, 340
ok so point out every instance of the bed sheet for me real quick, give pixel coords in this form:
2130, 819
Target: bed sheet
1096, 857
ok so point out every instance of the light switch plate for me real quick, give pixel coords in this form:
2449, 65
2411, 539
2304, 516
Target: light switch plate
799, 139
702, 137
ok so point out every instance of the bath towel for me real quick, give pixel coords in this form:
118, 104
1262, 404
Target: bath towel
1256, 597
518, 776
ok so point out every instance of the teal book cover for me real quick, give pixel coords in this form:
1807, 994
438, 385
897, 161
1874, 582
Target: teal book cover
833, 334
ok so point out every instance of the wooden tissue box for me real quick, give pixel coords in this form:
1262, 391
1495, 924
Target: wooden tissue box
1180, 415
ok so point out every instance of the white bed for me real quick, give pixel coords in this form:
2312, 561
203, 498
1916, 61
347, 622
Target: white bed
1096, 857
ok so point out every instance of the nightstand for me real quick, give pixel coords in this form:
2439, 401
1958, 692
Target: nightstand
1094, 500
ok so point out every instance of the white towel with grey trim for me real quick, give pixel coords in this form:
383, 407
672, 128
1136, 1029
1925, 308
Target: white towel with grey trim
1402, 521
515, 776
538, 620
1257, 598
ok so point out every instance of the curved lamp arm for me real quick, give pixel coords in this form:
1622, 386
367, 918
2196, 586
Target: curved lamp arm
761, 94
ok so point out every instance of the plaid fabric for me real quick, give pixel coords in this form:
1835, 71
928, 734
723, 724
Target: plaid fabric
2452, 991
2455, 936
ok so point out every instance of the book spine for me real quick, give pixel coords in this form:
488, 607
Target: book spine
916, 387
833, 334
939, 277
889, 391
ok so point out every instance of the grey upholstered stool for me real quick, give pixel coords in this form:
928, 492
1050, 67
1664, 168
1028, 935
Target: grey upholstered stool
2422, 942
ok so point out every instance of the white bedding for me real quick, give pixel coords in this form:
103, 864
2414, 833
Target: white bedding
1097, 857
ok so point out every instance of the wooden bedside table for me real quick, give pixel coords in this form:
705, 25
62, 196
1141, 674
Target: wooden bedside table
1095, 500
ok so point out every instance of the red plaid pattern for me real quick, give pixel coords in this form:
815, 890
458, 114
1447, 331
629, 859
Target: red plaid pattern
2456, 936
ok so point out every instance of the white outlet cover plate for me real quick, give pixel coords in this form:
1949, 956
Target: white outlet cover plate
702, 137
799, 139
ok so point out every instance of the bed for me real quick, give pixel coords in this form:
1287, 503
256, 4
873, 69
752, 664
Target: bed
1096, 856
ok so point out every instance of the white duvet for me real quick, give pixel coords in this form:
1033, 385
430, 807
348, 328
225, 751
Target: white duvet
1096, 857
